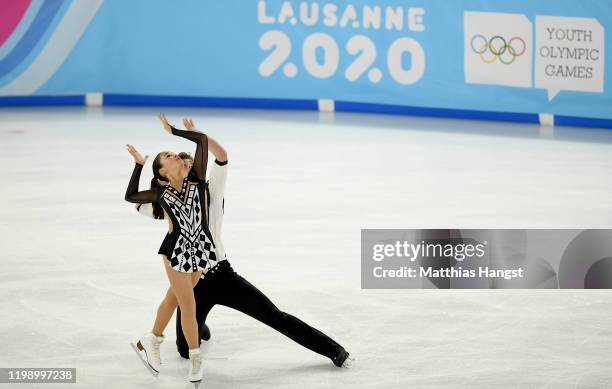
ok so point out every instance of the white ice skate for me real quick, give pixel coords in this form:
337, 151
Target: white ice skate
196, 367
147, 348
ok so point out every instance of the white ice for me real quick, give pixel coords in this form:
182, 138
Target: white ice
80, 277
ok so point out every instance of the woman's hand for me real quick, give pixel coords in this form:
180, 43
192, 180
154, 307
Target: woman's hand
137, 157
188, 123
164, 120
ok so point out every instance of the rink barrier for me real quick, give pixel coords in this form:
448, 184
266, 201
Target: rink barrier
323, 105
546, 119
573, 121
345, 106
28, 101
222, 102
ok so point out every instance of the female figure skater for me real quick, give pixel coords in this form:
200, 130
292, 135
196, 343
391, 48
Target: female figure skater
224, 286
188, 248
147, 210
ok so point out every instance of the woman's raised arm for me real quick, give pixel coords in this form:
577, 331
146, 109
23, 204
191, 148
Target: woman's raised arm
132, 194
200, 160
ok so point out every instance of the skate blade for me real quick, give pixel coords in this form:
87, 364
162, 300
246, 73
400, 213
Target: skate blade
144, 362
349, 363
197, 383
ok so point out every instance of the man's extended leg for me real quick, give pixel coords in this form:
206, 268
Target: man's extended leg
241, 295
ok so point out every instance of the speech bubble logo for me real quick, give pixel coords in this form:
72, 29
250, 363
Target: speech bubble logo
569, 54
498, 49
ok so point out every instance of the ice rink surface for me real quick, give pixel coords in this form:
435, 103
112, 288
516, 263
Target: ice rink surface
81, 278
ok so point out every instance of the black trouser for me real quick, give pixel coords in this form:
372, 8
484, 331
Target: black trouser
227, 288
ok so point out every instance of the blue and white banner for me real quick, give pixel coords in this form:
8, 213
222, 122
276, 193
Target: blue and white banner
510, 56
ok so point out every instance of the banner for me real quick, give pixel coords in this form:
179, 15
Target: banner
508, 56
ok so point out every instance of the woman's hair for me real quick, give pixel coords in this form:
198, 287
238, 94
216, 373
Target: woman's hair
158, 212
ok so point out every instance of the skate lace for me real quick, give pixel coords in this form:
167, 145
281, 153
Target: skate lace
155, 350
196, 361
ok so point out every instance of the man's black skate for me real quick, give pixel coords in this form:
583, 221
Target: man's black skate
342, 359
204, 332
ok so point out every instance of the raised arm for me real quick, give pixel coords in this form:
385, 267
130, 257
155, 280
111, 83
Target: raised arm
200, 160
217, 150
132, 194
216, 182
213, 146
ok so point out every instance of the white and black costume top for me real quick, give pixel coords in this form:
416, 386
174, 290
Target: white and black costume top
215, 190
189, 246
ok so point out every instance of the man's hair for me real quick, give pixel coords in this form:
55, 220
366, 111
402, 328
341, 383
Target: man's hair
184, 155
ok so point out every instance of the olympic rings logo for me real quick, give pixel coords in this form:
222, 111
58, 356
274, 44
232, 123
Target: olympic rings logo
490, 50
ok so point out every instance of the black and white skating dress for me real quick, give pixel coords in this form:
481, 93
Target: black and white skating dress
189, 246
214, 194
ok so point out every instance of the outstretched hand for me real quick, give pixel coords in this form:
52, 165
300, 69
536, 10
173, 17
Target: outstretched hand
138, 158
164, 120
188, 123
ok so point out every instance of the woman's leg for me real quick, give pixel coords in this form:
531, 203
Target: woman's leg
195, 277
167, 307
164, 312
181, 342
205, 299
182, 287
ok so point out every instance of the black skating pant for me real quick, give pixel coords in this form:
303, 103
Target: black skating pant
227, 288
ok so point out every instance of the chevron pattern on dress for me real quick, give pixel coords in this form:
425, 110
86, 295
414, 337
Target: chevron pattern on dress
194, 249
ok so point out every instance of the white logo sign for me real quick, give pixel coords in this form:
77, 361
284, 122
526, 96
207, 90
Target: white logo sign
497, 49
569, 54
